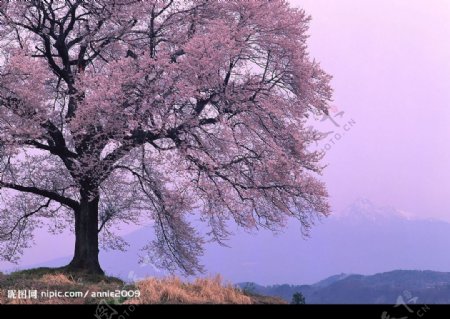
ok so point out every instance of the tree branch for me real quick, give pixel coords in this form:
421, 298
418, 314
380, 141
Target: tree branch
25, 216
42, 192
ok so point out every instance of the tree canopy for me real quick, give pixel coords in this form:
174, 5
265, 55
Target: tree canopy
126, 111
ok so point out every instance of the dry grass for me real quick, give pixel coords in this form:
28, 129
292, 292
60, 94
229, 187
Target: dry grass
55, 279
169, 290
173, 291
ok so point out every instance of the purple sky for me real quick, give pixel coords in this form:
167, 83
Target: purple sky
391, 66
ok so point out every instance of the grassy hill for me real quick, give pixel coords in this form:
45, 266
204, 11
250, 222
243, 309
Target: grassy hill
82, 289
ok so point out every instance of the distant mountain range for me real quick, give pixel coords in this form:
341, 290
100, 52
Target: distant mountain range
363, 239
408, 286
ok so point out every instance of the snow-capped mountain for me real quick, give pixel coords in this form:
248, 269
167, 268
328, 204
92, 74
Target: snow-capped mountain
365, 210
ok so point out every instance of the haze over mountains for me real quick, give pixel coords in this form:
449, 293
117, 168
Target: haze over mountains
394, 287
363, 239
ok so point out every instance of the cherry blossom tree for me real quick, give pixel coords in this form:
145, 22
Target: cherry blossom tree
163, 112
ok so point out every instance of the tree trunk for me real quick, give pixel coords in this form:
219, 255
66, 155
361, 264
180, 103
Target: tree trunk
86, 237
